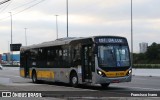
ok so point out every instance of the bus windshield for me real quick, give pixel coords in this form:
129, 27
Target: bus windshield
113, 56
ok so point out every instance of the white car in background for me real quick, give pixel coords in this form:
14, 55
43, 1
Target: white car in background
1, 67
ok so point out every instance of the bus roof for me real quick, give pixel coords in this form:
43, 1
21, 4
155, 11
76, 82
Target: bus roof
61, 41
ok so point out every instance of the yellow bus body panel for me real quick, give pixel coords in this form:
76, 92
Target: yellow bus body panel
45, 74
22, 72
116, 73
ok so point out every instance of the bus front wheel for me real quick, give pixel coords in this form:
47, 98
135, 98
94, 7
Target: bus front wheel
105, 85
34, 77
74, 80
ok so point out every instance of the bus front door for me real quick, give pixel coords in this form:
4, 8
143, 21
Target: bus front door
26, 67
86, 69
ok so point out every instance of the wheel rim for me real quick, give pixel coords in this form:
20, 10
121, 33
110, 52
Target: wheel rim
74, 80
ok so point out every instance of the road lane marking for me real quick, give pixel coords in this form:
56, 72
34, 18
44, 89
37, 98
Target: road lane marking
10, 76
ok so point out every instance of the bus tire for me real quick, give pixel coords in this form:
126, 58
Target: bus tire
34, 77
105, 85
74, 79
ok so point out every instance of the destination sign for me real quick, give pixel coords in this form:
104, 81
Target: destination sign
110, 40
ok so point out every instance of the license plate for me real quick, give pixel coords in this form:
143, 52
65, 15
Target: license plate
120, 74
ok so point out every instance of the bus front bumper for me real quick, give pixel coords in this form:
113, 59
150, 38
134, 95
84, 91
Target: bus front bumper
100, 80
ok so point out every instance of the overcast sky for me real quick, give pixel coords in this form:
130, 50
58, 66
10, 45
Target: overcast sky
86, 18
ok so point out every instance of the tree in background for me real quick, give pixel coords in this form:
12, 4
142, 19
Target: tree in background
152, 56
153, 53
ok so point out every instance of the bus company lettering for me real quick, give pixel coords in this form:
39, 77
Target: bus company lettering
110, 40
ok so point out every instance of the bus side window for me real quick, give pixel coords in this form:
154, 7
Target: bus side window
33, 57
65, 58
60, 59
60, 55
50, 57
74, 54
56, 58
76, 59
39, 58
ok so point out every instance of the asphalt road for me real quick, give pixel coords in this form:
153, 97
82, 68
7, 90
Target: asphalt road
11, 81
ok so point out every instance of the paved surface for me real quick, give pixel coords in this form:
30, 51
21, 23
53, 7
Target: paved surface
11, 81
146, 72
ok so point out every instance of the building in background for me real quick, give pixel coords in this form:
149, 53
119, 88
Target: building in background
7, 58
143, 47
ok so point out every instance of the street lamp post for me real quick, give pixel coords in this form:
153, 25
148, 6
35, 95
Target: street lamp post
57, 25
67, 15
11, 39
131, 36
8, 47
25, 36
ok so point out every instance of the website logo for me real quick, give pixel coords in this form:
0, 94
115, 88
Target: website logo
6, 94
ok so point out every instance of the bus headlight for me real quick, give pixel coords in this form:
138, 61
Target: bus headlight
129, 72
101, 73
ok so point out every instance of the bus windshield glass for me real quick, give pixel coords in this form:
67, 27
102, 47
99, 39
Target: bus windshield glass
113, 56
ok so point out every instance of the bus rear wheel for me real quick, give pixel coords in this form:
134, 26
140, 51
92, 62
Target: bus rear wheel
34, 77
105, 85
74, 80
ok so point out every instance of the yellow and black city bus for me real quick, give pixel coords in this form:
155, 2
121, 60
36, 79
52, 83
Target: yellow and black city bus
90, 60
